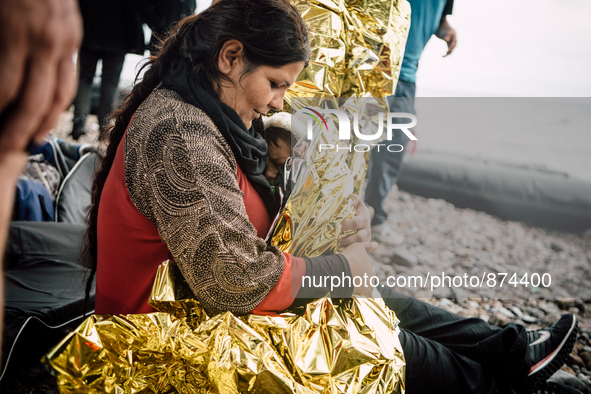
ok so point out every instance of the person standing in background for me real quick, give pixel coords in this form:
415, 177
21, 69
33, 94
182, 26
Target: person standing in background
112, 29
160, 15
428, 17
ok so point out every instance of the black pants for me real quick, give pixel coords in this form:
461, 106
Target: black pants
447, 353
112, 66
385, 167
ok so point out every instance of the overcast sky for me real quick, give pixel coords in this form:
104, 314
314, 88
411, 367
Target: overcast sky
512, 48
532, 48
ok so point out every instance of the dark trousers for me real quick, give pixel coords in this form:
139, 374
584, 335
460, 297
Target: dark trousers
384, 166
112, 66
447, 353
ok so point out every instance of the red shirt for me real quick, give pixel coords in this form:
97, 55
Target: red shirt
130, 250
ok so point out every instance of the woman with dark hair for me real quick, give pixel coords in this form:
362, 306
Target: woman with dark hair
183, 179
183, 174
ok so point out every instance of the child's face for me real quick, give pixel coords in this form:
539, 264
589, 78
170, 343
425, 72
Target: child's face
277, 155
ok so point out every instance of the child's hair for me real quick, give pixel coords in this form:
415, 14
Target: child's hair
283, 126
274, 133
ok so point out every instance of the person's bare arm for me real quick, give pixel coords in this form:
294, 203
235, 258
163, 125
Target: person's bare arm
37, 76
37, 81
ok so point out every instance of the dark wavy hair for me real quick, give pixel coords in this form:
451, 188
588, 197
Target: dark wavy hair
272, 32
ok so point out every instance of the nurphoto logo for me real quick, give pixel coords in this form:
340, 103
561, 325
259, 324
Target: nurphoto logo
393, 119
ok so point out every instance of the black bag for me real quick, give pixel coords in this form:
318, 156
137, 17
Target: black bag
44, 282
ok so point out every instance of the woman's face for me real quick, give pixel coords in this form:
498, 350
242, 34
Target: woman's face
257, 92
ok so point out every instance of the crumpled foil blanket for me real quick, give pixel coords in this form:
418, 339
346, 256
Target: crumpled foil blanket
333, 347
357, 47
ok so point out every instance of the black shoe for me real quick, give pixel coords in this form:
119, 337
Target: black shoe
555, 388
77, 132
78, 128
549, 348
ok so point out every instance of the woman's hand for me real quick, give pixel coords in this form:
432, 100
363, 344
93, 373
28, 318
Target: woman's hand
361, 222
361, 265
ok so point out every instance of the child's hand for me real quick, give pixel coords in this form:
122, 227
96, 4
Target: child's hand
361, 223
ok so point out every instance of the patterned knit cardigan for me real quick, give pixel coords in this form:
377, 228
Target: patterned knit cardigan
181, 175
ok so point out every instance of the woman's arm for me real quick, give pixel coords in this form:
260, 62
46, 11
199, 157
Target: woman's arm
182, 176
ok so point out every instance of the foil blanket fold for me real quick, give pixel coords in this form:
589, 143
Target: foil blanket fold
357, 47
333, 347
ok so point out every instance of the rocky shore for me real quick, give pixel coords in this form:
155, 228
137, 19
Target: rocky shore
440, 238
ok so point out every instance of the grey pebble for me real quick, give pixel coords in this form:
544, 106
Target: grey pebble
529, 319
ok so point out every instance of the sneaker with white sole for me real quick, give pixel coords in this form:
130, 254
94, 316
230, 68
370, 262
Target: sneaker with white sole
384, 234
549, 349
